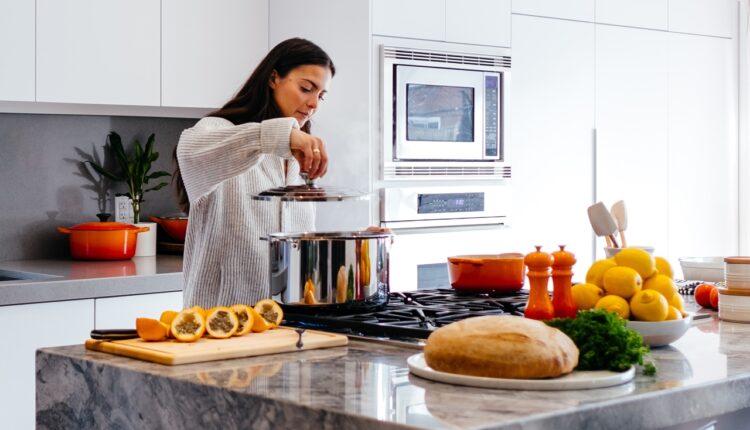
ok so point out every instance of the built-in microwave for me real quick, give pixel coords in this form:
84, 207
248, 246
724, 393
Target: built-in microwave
444, 114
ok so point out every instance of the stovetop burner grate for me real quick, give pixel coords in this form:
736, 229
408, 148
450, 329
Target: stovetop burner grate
415, 314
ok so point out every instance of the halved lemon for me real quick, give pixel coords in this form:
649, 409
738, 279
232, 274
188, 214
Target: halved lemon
150, 329
245, 318
221, 322
188, 326
270, 311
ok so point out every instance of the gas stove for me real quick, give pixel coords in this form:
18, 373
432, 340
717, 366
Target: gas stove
410, 317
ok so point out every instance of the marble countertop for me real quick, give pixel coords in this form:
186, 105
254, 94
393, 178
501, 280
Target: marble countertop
56, 280
367, 385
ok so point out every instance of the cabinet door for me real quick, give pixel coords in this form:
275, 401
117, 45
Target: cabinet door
634, 13
582, 10
17, 41
91, 51
703, 206
29, 327
209, 49
631, 125
419, 19
710, 17
552, 123
121, 312
481, 22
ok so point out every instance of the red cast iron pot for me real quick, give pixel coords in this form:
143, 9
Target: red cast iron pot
175, 226
102, 240
498, 272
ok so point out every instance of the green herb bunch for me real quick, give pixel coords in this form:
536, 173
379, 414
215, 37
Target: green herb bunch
134, 171
603, 339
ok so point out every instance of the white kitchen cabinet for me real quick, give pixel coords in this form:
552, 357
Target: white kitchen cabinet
632, 135
98, 52
703, 162
25, 329
481, 22
121, 312
418, 19
209, 49
552, 123
17, 41
652, 14
709, 17
581, 10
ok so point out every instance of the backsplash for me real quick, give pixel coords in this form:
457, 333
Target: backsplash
43, 187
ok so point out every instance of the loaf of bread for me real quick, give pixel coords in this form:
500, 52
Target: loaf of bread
501, 347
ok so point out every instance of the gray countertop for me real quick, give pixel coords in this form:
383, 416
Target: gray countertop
367, 385
57, 280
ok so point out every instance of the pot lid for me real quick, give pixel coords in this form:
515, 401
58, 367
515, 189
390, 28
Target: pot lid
103, 226
309, 192
361, 234
179, 215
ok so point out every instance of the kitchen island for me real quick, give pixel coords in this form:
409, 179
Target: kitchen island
367, 385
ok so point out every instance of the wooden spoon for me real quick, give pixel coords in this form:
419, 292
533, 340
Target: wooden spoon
620, 214
602, 222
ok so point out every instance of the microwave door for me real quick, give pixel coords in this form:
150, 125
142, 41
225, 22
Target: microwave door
439, 114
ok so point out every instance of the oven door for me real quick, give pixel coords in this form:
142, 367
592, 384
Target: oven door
440, 114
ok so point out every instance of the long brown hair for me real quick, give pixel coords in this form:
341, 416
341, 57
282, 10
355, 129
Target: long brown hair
254, 102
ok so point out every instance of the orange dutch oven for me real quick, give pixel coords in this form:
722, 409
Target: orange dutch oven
102, 240
175, 226
498, 272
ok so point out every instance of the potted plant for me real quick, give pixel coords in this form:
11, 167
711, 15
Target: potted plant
133, 171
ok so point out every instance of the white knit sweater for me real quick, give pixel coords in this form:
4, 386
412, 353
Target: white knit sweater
222, 166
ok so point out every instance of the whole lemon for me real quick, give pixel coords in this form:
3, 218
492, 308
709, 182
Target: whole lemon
673, 314
663, 267
663, 284
622, 281
679, 303
637, 259
595, 275
649, 305
585, 296
614, 304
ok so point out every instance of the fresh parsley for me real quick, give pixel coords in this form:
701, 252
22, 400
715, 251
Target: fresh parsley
603, 339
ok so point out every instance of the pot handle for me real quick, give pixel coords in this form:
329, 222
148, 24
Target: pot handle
466, 260
142, 229
63, 230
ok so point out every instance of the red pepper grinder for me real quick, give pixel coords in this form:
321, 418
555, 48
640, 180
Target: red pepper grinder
539, 306
562, 298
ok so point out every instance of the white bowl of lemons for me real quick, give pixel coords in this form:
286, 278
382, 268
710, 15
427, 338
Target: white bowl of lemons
639, 288
662, 332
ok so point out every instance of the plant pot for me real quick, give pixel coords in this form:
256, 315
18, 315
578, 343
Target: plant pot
103, 240
146, 241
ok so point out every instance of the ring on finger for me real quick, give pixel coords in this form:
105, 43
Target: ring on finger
316, 150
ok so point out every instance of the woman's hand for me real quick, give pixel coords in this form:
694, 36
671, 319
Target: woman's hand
310, 152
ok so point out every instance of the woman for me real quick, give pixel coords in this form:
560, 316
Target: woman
258, 140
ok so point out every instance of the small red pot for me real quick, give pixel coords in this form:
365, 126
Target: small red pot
102, 240
175, 226
499, 272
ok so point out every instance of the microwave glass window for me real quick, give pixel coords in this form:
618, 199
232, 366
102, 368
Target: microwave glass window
439, 113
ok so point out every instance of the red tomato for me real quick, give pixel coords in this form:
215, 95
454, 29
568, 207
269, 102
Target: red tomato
715, 298
703, 294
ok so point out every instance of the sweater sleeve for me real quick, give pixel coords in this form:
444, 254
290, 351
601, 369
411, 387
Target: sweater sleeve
215, 150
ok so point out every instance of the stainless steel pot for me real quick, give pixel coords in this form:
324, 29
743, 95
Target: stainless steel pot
330, 271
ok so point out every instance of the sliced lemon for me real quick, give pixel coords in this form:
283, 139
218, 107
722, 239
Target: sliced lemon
270, 311
188, 326
221, 322
244, 317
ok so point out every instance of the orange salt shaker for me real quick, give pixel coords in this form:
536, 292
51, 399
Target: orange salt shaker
562, 296
539, 306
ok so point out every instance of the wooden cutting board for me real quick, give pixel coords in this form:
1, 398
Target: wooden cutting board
171, 352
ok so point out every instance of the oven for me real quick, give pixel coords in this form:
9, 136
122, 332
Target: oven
444, 114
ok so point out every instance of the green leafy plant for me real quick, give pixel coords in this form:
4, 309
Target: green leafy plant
133, 170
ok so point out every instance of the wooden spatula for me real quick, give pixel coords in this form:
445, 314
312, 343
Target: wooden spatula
620, 214
602, 222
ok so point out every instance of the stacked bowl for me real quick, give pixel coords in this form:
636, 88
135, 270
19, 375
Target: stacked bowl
734, 300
